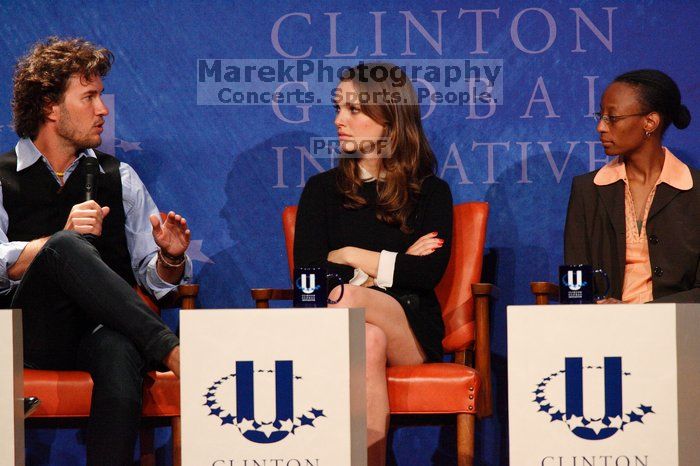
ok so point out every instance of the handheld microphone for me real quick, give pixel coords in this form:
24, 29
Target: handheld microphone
92, 169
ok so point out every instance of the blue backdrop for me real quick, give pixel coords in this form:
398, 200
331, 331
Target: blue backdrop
230, 169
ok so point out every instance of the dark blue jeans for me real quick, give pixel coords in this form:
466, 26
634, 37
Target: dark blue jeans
64, 295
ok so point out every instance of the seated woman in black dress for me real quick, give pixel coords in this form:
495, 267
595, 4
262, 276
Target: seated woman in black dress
383, 221
638, 217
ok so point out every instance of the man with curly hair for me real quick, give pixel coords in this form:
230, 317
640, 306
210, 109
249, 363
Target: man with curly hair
71, 264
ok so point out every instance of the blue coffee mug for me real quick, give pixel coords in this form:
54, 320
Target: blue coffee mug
576, 284
311, 287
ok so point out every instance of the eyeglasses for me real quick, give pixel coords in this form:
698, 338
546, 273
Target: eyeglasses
612, 119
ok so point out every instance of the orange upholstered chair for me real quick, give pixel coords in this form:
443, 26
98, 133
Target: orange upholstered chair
462, 388
67, 394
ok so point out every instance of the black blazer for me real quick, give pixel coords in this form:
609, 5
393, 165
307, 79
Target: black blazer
595, 234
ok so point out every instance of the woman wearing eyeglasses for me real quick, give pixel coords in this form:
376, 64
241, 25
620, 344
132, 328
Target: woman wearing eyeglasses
638, 217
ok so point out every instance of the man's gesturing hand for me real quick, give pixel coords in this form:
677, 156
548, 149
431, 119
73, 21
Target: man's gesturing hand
172, 236
86, 218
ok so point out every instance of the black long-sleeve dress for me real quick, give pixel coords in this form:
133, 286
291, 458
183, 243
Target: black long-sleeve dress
323, 225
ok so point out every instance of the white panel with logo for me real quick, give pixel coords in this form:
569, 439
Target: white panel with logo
11, 388
273, 386
604, 385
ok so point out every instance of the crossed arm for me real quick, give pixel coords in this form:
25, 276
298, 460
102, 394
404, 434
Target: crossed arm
368, 261
420, 266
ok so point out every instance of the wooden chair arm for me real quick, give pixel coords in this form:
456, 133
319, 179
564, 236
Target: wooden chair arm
488, 290
483, 292
187, 294
544, 291
183, 297
263, 296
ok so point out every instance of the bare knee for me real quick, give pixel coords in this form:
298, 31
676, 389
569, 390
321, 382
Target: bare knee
376, 347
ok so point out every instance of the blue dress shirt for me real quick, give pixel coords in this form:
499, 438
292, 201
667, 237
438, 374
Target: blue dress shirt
138, 207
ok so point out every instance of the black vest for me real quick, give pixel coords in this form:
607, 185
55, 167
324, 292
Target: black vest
37, 206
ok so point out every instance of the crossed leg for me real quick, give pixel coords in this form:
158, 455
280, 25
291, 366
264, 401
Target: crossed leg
64, 294
389, 341
117, 369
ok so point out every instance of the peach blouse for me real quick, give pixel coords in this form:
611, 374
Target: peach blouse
637, 286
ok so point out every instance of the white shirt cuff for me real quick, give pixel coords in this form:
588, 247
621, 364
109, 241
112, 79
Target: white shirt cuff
160, 287
359, 278
385, 269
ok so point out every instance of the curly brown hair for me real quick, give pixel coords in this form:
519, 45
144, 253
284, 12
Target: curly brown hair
41, 77
408, 159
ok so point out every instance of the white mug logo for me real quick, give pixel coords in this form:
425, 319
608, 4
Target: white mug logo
574, 286
311, 285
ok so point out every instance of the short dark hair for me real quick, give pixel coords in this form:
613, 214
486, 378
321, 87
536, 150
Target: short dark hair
658, 93
41, 77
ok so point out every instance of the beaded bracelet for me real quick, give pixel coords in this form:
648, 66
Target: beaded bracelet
170, 262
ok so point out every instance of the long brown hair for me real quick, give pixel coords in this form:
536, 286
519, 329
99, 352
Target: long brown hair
407, 159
